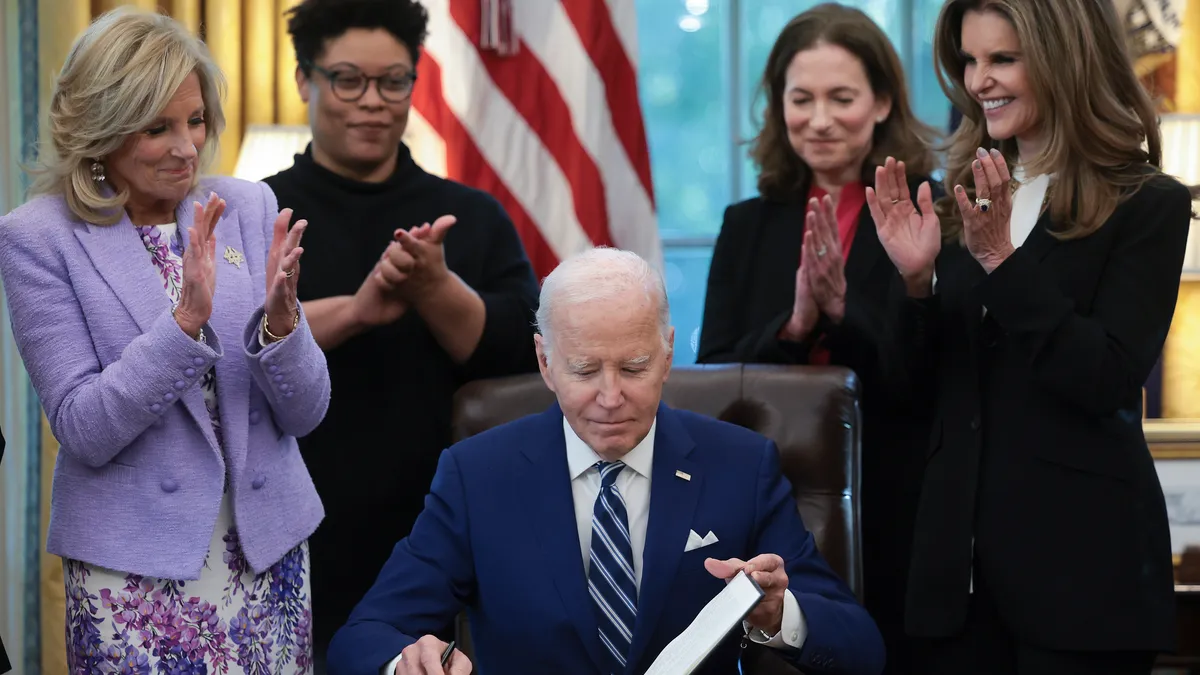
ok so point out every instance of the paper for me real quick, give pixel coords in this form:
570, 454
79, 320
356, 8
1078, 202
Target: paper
712, 625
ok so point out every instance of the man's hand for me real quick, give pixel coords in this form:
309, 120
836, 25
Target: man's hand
767, 570
424, 657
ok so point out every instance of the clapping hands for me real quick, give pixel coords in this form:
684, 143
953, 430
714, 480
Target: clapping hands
910, 233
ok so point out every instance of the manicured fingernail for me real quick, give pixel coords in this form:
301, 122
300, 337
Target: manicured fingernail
958, 189
995, 153
977, 165
981, 153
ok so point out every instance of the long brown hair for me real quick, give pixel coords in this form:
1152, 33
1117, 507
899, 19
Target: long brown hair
782, 173
1094, 112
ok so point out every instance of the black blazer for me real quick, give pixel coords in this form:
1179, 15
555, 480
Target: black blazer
751, 285
1038, 451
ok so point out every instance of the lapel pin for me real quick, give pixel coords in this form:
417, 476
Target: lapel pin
234, 257
683, 475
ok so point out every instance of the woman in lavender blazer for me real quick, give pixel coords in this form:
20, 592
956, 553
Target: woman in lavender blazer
181, 506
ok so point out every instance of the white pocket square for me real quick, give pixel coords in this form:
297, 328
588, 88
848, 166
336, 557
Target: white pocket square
695, 541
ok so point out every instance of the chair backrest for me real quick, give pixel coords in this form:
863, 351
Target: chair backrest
811, 412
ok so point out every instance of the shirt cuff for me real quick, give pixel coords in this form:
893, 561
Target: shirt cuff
391, 666
792, 633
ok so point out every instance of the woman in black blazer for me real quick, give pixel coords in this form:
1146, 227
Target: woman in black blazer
837, 105
1034, 306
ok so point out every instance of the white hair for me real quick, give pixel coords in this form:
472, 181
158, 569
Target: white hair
600, 273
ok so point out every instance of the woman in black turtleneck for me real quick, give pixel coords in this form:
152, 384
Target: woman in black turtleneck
396, 351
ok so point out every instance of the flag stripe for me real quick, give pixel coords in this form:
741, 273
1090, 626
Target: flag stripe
466, 164
596, 31
502, 136
549, 33
624, 18
523, 80
553, 131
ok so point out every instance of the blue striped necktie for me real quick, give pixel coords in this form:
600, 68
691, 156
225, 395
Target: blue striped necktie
610, 573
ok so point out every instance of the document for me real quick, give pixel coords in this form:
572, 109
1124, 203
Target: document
712, 625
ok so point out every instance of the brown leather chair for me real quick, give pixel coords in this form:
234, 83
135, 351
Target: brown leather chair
810, 412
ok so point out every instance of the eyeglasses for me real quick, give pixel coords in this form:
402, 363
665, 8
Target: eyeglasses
350, 84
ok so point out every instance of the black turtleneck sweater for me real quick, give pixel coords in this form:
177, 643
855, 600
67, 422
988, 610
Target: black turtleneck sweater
373, 457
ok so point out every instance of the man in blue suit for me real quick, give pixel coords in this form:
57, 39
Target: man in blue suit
582, 540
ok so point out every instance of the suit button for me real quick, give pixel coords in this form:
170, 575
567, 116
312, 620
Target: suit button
975, 423
278, 378
284, 386
156, 408
255, 416
273, 369
180, 384
795, 637
169, 485
258, 482
190, 372
168, 397
197, 362
288, 394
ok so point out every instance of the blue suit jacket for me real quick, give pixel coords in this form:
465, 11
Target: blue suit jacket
498, 537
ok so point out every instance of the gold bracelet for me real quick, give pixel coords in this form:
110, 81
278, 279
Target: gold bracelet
273, 337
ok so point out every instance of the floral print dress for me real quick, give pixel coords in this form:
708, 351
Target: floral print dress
228, 622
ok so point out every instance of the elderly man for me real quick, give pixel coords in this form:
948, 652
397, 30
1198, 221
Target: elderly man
566, 534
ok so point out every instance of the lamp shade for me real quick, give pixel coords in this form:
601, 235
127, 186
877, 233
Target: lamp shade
268, 149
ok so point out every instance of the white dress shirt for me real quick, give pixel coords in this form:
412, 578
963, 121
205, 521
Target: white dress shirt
634, 485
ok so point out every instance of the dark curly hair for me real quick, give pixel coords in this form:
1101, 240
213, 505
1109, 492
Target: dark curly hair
312, 22
782, 174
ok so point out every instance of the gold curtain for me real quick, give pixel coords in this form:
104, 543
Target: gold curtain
1181, 355
249, 40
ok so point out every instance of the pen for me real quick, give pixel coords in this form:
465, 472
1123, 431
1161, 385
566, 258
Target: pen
446, 654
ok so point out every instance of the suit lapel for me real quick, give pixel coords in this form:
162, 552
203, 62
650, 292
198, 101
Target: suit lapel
865, 251
115, 252
545, 488
779, 254
231, 309
1040, 242
672, 504
193, 398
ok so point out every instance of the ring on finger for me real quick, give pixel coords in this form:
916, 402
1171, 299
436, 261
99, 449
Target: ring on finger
290, 273
984, 204
821, 251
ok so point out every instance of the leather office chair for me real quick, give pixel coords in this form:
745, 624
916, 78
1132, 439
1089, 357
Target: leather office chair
811, 413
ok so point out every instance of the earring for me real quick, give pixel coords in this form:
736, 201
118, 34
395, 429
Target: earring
879, 120
97, 171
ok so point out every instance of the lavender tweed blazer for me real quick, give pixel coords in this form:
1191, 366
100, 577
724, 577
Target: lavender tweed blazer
139, 477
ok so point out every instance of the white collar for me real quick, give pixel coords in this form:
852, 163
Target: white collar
580, 457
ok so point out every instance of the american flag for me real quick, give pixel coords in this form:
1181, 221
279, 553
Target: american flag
536, 103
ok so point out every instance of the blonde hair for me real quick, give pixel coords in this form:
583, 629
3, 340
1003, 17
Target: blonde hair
1094, 112
118, 77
